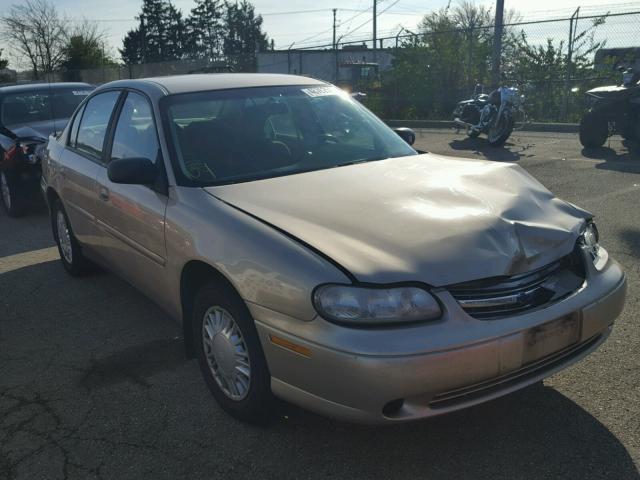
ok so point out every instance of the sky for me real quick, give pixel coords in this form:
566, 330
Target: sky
115, 17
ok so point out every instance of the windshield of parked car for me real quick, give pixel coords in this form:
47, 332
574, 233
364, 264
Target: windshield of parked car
241, 135
41, 105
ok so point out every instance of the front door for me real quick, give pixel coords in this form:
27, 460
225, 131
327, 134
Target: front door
132, 217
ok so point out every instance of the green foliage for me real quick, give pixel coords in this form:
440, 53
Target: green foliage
159, 36
83, 51
451, 54
205, 30
243, 35
3, 61
213, 30
548, 72
440, 65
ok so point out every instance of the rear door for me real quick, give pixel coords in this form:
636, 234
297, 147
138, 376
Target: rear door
82, 161
131, 217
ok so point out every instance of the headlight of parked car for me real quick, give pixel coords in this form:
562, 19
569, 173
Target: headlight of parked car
375, 306
589, 240
33, 153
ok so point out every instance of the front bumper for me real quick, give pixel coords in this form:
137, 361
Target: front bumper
402, 374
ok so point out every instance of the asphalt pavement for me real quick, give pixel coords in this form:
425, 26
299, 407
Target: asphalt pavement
94, 383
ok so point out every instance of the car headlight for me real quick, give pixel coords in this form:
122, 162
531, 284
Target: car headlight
589, 241
375, 306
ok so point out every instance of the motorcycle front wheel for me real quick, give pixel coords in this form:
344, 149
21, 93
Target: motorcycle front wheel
498, 134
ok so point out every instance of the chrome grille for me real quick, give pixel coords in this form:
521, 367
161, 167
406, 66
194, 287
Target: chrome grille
506, 296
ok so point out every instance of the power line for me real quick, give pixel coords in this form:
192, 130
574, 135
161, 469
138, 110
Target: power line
369, 20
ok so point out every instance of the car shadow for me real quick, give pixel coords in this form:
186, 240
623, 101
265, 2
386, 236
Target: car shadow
623, 160
109, 351
509, 152
534, 433
31, 232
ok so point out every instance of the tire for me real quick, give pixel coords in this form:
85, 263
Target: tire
594, 130
73, 260
500, 139
13, 196
222, 322
631, 129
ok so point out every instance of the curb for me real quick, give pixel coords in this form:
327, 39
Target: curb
528, 127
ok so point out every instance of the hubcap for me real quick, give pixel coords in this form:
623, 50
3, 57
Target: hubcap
64, 238
6, 194
226, 353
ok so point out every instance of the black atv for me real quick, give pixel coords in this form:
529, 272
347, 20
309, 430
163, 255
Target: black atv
613, 109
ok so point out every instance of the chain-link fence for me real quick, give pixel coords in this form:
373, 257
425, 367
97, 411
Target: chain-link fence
422, 75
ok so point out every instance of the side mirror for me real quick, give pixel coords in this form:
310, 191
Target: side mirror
132, 171
406, 134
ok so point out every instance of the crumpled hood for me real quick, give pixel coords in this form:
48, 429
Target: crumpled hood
427, 218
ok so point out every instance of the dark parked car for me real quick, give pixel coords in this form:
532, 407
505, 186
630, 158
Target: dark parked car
29, 113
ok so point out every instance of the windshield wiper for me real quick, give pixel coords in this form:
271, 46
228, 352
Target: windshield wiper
365, 160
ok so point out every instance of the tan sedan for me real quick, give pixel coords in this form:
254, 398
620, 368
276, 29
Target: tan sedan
312, 254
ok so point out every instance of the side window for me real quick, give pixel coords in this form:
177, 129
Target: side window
73, 134
94, 123
135, 134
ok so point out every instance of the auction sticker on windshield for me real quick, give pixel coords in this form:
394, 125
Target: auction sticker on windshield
320, 91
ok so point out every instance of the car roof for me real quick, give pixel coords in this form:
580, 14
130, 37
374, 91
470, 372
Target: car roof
38, 87
214, 81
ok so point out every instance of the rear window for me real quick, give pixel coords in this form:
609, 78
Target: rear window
37, 106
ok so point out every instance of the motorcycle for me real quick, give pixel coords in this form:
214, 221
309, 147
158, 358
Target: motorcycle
20, 171
493, 114
612, 109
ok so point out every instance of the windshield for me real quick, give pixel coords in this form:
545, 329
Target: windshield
246, 134
41, 105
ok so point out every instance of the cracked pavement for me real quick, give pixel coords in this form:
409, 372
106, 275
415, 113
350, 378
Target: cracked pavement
94, 383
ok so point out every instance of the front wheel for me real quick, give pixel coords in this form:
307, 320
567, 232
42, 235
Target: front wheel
13, 196
230, 354
594, 130
499, 134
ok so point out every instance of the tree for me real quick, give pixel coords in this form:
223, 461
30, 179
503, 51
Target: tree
132, 51
3, 61
85, 49
440, 65
243, 35
36, 31
159, 36
205, 30
546, 68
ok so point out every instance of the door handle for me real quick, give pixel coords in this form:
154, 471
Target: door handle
104, 194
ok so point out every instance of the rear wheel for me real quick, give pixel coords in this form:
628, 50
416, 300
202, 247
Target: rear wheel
230, 354
630, 130
594, 130
71, 255
13, 196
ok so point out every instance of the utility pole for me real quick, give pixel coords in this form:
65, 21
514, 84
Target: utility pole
334, 28
375, 30
497, 43
335, 48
